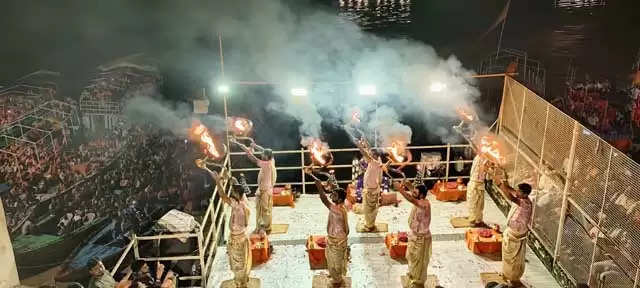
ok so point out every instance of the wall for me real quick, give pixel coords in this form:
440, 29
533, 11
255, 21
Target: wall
9, 272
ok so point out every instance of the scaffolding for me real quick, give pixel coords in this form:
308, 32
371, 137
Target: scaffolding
207, 235
584, 219
530, 71
37, 128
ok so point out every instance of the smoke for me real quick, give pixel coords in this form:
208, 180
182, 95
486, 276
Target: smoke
331, 58
386, 122
177, 118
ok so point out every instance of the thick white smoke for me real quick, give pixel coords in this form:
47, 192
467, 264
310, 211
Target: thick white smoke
269, 41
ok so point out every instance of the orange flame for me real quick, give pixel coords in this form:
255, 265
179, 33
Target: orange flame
240, 126
210, 148
465, 114
396, 151
318, 150
355, 116
490, 147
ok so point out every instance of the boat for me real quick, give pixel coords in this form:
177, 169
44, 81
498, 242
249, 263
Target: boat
39, 252
105, 246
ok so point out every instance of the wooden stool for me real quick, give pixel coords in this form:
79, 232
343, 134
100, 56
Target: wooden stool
450, 191
483, 245
460, 222
317, 259
259, 249
380, 227
253, 283
324, 281
283, 197
432, 281
397, 249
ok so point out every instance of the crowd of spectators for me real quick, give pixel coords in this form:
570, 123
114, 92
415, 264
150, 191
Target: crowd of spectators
144, 177
12, 107
113, 86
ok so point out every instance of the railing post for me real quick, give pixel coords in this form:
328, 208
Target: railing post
567, 185
540, 163
446, 175
304, 186
136, 253
203, 281
604, 199
515, 161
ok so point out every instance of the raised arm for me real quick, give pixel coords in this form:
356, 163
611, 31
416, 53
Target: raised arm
402, 187
364, 150
505, 189
218, 180
323, 195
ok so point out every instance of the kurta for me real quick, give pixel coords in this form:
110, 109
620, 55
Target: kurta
337, 251
238, 246
475, 190
264, 201
514, 240
419, 246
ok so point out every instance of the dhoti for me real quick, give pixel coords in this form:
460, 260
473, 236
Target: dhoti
418, 256
238, 249
514, 247
370, 199
337, 254
475, 200
264, 204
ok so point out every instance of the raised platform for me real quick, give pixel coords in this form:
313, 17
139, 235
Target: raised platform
370, 264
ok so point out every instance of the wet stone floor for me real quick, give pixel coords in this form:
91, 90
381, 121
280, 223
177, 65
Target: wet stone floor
371, 266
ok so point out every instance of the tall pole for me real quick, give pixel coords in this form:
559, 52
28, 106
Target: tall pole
224, 99
504, 21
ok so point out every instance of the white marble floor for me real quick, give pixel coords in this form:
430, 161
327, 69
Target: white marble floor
371, 265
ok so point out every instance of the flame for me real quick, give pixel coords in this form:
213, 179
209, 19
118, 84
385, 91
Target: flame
210, 148
355, 116
318, 151
396, 151
240, 126
465, 113
490, 147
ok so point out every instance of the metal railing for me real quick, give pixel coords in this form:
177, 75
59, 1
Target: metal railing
303, 152
207, 235
586, 205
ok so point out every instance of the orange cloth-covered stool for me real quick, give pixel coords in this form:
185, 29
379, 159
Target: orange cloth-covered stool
283, 197
260, 251
397, 245
450, 191
483, 241
315, 248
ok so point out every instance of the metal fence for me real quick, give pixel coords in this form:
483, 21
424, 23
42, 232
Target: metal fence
586, 208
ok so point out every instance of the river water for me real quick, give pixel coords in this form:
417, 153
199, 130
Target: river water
597, 39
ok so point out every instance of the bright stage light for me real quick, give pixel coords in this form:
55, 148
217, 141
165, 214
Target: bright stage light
299, 92
437, 87
223, 89
367, 90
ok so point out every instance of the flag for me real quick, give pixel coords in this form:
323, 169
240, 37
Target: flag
501, 19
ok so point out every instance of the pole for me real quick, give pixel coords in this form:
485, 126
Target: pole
567, 185
502, 30
224, 100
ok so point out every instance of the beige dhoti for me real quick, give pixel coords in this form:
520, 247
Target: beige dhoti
475, 200
264, 205
418, 256
514, 247
337, 254
238, 249
370, 199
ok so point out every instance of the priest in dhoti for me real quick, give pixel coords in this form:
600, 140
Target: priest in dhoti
419, 246
266, 180
475, 190
337, 251
238, 246
514, 238
372, 181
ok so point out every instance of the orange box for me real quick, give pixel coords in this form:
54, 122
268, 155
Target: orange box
451, 191
483, 245
397, 249
317, 259
259, 249
283, 197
